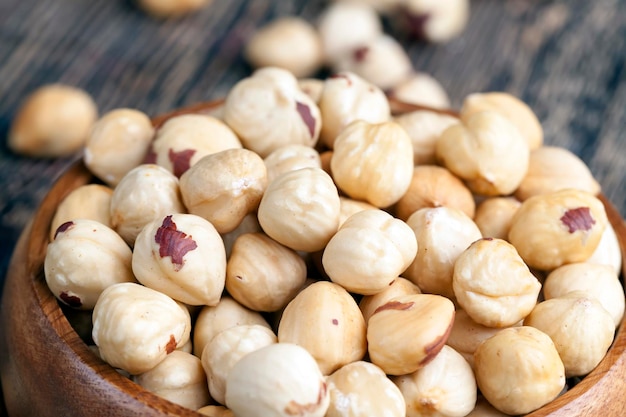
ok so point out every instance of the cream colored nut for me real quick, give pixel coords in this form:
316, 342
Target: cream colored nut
171, 8
373, 162
279, 380
399, 287
519, 370
89, 201
345, 26
509, 106
487, 151
439, 21
369, 251
300, 209
183, 256
598, 281
407, 332
551, 169
422, 89
494, 215
118, 143
212, 320
444, 387
135, 327
350, 206
435, 186
290, 158
581, 329
424, 129
484, 409
493, 285
383, 62
178, 378
224, 187
226, 349
381, 6
312, 87
553, 229
325, 320
361, 389
145, 194
84, 259
268, 110
442, 233
608, 251
54, 121
262, 274
347, 97
183, 140
249, 224
290, 43
215, 411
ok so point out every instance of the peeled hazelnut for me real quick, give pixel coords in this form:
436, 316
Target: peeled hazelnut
268, 110
300, 209
262, 274
347, 97
484, 409
369, 251
553, 229
361, 389
551, 169
290, 43
249, 224
90, 201
435, 186
183, 256
325, 320
363, 152
424, 129
494, 215
171, 8
444, 387
519, 370
597, 281
215, 411
53, 121
608, 251
84, 259
442, 233
312, 87
350, 206
436, 21
398, 287
487, 151
224, 187
178, 378
279, 380
136, 327
118, 143
290, 158
581, 329
226, 349
422, 89
407, 332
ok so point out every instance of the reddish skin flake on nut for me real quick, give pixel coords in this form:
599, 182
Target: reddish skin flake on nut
171, 345
64, 227
71, 300
307, 118
173, 242
181, 160
296, 409
394, 305
578, 219
360, 54
335, 322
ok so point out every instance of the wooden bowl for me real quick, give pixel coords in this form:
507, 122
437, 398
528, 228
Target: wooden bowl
47, 369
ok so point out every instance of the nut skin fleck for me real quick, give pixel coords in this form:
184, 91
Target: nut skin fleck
335, 322
71, 300
360, 54
62, 228
296, 409
394, 305
171, 345
578, 219
181, 161
173, 242
307, 118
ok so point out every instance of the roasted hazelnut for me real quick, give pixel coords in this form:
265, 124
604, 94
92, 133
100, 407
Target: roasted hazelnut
171, 8
608, 251
290, 158
54, 121
424, 129
398, 287
436, 21
494, 215
249, 224
422, 89
118, 142
290, 43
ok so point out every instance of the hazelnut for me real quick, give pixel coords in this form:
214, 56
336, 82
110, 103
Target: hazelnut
300, 209
350, 206
445, 386
407, 332
494, 215
493, 285
369, 251
183, 256
553, 229
268, 110
398, 287
519, 370
84, 259
484, 409
290, 43
608, 251
224, 187
373, 162
249, 224
436, 21
381, 6
118, 143
136, 327
215, 411
487, 151
53, 121
279, 380
424, 129
325, 320
361, 389
171, 8
312, 87
422, 89
290, 158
